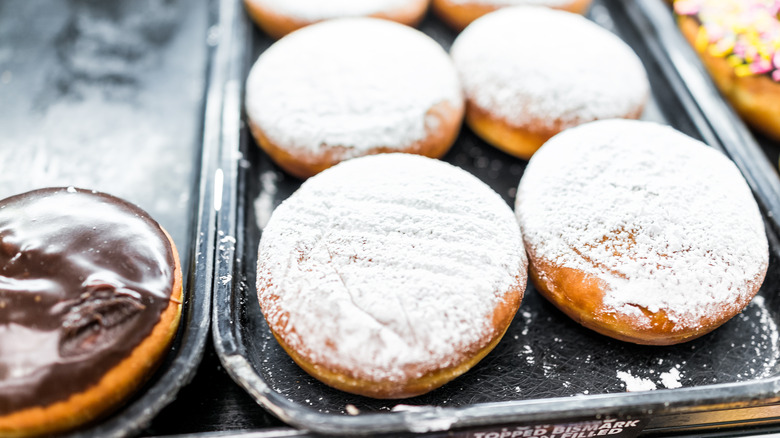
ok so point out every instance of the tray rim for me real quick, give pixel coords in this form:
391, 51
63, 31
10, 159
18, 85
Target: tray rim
432, 418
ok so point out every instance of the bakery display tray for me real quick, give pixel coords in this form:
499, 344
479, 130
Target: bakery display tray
100, 95
547, 369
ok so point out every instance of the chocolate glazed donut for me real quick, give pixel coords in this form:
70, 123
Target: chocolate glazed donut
86, 279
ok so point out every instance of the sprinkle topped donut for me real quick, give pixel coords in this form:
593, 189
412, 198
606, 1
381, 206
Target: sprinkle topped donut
640, 232
350, 87
280, 17
525, 80
739, 43
746, 33
390, 275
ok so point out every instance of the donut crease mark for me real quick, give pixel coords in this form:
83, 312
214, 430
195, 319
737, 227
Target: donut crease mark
360, 308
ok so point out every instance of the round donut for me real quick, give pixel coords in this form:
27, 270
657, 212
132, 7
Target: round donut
389, 275
739, 44
95, 286
525, 80
640, 232
460, 13
351, 87
280, 17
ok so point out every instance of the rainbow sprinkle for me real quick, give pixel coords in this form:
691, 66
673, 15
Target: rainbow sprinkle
744, 32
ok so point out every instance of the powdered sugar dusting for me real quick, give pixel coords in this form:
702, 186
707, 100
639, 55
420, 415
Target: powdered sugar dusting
532, 65
388, 264
665, 222
358, 83
315, 10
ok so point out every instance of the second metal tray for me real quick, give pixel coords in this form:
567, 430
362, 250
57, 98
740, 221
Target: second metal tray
547, 368
98, 95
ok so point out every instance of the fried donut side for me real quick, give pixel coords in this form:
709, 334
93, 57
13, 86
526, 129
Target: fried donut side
460, 13
525, 80
639, 232
321, 95
390, 275
278, 18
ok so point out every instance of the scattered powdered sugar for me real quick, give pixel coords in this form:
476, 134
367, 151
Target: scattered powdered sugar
665, 222
356, 84
315, 10
671, 378
264, 204
768, 346
634, 384
533, 65
529, 354
388, 264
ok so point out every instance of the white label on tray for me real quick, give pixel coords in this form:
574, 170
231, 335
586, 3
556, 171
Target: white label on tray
608, 427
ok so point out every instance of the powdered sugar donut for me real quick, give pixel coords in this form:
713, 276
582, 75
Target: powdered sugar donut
640, 232
389, 275
460, 13
280, 17
525, 79
351, 87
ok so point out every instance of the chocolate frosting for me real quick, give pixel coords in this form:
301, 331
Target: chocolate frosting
84, 277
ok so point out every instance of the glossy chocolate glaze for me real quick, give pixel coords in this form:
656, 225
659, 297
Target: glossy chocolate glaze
84, 278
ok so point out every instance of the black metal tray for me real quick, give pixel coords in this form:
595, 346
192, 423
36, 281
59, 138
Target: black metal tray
98, 95
547, 368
